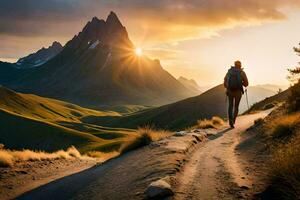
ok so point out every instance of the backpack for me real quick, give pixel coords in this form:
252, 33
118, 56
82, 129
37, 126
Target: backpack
234, 79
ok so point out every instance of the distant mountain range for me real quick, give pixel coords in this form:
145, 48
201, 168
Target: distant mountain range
185, 113
40, 57
97, 67
190, 84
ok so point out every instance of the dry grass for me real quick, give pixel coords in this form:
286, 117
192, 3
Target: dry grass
214, 122
283, 137
103, 156
283, 127
285, 169
9, 157
146, 135
6, 159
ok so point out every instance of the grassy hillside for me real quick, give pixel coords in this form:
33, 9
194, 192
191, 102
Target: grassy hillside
182, 114
270, 101
280, 135
173, 116
33, 122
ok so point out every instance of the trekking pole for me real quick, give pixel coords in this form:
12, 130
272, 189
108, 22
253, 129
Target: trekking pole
246, 91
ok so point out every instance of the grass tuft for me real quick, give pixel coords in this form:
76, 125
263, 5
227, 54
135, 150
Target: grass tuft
284, 126
285, 170
9, 157
103, 156
6, 160
145, 135
72, 151
214, 122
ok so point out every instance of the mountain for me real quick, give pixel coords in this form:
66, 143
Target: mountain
190, 84
40, 57
255, 94
181, 114
33, 122
274, 88
277, 98
9, 73
184, 113
99, 67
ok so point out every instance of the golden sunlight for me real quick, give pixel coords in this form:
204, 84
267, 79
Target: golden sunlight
138, 51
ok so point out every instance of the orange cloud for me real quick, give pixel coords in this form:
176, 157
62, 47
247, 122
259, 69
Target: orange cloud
147, 21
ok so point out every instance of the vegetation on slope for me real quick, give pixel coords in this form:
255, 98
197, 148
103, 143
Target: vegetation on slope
146, 135
282, 130
9, 157
32, 122
179, 115
269, 102
214, 122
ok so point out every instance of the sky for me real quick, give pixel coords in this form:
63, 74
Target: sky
197, 39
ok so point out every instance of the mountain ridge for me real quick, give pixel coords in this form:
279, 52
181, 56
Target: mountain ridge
102, 63
39, 57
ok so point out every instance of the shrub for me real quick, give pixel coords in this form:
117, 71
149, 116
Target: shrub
258, 121
137, 142
294, 98
283, 127
285, 170
269, 106
72, 151
145, 135
6, 159
205, 124
215, 122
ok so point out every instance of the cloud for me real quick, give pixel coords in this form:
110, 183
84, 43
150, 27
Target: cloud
147, 20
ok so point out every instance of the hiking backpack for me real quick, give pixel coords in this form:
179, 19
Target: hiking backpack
234, 79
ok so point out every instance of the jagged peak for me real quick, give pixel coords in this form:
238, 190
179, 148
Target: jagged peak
113, 19
56, 44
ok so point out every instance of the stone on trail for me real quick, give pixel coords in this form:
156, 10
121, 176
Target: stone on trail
159, 189
180, 133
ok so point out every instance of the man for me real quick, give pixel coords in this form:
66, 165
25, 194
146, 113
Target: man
234, 81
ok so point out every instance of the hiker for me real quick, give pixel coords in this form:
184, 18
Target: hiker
234, 81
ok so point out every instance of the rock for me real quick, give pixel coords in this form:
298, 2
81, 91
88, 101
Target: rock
179, 134
159, 189
244, 187
21, 172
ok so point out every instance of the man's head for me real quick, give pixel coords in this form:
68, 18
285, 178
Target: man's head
238, 64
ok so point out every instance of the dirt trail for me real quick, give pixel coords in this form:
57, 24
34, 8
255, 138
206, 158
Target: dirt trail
215, 170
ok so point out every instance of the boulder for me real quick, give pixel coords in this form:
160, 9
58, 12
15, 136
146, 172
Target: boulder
159, 189
180, 133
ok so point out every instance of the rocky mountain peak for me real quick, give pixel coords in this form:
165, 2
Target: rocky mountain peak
113, 20
56, 45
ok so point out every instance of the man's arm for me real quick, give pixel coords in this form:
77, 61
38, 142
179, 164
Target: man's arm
244, 79
225, 81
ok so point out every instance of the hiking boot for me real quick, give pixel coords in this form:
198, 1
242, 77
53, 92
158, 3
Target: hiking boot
231, 124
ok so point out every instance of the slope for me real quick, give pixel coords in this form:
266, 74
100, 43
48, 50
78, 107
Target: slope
270, 101
33, 122
191, 84
173, 116
40, 57
182, 114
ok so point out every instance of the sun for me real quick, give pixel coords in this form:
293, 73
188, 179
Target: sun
138, 51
